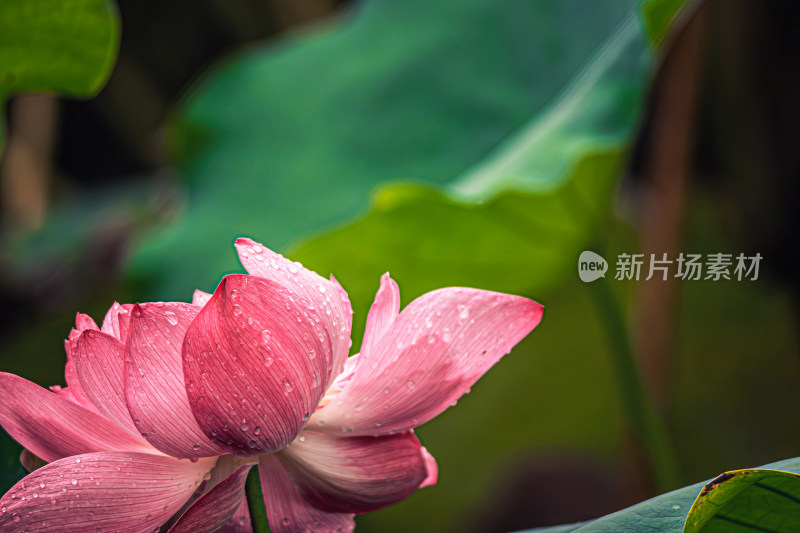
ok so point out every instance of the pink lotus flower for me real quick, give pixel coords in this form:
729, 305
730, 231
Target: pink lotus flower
169, 405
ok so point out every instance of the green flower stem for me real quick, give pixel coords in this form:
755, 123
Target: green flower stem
646, 425
255, 501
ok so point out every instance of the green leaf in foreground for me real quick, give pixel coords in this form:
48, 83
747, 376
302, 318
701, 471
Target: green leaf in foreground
55, 46
761, 499
765, 499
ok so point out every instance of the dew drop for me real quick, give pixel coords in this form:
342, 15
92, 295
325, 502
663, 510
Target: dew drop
446, 337
245, 426
287, 385
171, 318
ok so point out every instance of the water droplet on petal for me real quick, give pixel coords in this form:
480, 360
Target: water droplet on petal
171, 318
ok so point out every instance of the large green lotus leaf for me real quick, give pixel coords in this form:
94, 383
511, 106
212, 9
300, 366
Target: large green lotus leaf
55, 46
286, 141
517, 242
518, 221
758, 499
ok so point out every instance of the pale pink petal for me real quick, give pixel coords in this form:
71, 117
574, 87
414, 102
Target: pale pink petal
287, 510
100, 366
240, 521
355, 474
106, 491
200, 298
116, 321
438, 347
432, 468
214, 508
155, 389
327, 298
254, 360
382, 314
52, 427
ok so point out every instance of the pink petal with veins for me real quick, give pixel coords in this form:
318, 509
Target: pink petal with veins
255, 360
156, 392
435, 350
109, 491
240, 521
85, 322
214, 508
328, 299
52, 427
116, 320
355, 474
99, 365
287, 510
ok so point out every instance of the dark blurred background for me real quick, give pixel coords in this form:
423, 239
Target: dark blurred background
713, 167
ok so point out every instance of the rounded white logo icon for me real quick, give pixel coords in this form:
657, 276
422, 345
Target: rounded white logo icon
591, 266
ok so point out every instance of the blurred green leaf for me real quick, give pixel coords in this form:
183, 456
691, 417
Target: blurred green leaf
54, 46
288, 141
658, 15
517, 242
531, 207
758, 499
